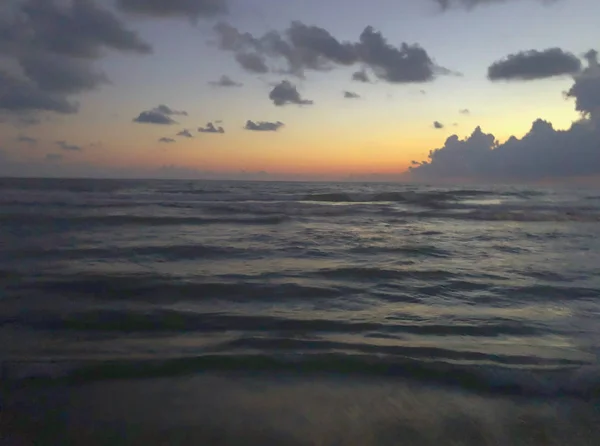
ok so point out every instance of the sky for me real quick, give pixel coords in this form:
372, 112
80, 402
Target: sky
505, 90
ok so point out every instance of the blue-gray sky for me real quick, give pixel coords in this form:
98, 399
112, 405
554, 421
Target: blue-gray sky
237, 88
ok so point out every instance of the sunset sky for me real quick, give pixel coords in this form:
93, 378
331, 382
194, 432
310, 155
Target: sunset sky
141, 72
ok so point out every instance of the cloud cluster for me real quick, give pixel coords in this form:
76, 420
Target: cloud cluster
534, 64
438, 125
543, 152
211, 128
286, 93
166, 140
55, 44
161, 115
351, 95
263, 126
301, 47
169, 8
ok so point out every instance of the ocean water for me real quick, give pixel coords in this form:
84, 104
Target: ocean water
300, 313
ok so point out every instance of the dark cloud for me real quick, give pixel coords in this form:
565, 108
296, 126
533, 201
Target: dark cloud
185, 133
61, 74
20, 95
27, 139
55, 43
533, 64
54, 157
438, 125
465, 111
166, 140
68, 147
225, 81
78, 28
170, 8
160, 115
542, 153
263, 126
253, 62
302, 47
312, 43
586, 89
351, 95
231, 39
286, 93
361, 76
409, 63
211, 128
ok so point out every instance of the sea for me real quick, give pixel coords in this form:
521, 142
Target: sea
288, 313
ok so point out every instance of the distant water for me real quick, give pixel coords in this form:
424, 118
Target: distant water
478, 293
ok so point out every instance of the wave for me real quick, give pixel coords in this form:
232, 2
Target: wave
162, 252
428, 198
123, 220
529, 216
373, 273
411, 251
574, 380
169, 321
153, 287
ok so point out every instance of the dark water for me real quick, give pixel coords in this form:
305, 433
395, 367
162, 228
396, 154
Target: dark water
324, 313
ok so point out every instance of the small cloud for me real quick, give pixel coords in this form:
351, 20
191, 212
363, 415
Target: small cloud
185, 133
27, 140
225, 81
160, 115
533, 64
423, 92
54, 157
263, 126
465, 111
68, 147
438, 125
361, 76
166, 140
286, 93
211, 128
351, 95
